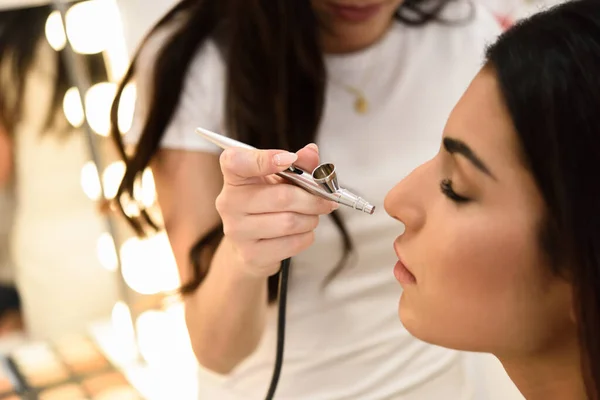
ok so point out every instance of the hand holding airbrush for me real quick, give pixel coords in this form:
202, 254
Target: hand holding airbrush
321, 182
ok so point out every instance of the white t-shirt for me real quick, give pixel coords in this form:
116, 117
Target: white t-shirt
518, 9
346, 342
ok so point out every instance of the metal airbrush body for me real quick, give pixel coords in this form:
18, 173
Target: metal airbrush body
322, 182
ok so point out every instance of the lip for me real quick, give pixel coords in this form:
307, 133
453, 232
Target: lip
355, 13
401, 272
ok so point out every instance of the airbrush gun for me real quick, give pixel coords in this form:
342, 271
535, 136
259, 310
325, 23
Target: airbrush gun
322, 182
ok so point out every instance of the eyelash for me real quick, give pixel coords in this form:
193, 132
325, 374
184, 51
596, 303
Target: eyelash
448, 191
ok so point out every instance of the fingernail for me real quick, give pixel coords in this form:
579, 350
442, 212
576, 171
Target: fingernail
313, 146
286, 158
335, 206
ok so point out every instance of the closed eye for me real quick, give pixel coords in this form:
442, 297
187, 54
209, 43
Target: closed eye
448, 191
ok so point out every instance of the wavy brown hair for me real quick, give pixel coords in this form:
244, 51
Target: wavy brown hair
275, 88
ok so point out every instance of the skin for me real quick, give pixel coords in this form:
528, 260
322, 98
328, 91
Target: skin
5, 158
482, 282
226, 316
340, 35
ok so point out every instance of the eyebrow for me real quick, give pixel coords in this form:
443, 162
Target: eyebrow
455, 146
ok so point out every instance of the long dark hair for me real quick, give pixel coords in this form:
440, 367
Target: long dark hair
22, 32
274, 91
548, 70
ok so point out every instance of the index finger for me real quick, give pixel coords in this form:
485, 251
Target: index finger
240, 166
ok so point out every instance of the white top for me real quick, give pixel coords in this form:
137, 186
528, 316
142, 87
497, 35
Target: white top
518, 9
347, 342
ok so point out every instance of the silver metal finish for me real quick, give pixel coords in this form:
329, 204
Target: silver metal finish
326, 177
322, 182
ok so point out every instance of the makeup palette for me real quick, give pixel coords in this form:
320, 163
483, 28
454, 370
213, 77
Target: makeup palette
80, 355
39, 365
72, 368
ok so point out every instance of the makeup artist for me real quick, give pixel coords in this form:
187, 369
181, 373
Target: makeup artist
360, 78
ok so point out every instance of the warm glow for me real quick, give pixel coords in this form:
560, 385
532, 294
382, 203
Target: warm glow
148, 265
98, 102
121, 320
73, 108
111, 177
130, 207
117, 57
123, 333
127, 108
163, 339
90, 182
144, 191
106, 252
55, 31
88, 26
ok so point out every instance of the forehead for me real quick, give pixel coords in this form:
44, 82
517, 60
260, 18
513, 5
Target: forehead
482, 121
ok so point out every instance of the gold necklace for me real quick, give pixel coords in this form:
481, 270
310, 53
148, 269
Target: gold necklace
361, 102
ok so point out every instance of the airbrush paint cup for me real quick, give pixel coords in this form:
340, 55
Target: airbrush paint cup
322, 182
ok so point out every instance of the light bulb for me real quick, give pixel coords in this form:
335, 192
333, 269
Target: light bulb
130, 207
72, 107
122, 321
117, 56
144, 191
111, 177
148, 265
88, 26
98, 102
55, 31
106, 252
163, 339
123, 343
90, 182
127, 107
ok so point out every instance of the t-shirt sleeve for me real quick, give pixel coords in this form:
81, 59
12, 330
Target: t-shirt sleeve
488, 26
200, 103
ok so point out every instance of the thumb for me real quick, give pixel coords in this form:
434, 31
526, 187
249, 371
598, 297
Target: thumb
240, 165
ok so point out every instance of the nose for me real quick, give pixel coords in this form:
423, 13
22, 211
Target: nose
406, 201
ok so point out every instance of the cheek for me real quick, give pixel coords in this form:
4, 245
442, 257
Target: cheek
478, 282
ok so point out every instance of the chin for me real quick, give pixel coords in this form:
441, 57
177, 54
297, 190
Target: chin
419, 325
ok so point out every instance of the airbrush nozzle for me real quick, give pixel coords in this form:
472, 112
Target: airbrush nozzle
322, 182
325, 176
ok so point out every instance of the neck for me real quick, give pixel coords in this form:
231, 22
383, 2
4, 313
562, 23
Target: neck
553, 375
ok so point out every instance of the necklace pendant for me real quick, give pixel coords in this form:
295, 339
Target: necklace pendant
361, 105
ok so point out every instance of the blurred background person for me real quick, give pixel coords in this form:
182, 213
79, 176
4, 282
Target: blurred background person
54, 227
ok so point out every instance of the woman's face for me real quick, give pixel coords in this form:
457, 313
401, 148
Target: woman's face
350, 25
476, 277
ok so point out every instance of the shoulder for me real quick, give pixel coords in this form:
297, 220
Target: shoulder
461, 20
207, 60
463, 32
473, 21
200, 100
